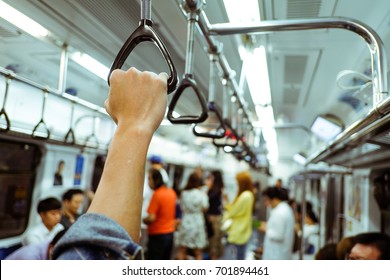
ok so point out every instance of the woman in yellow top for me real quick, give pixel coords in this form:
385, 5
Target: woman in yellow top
240, 214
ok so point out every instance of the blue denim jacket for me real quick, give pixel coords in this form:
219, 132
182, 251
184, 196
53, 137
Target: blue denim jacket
96, 237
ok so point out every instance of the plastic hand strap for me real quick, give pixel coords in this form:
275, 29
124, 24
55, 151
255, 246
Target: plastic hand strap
187, 82
41, 122
69, 137
92, 138
217, 133
145, 32
3, 112
7, 121
230, 135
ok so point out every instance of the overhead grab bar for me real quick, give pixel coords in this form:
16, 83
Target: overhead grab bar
375, 44
143, 33
220, 131
70, 137
188, 81
42, 122
3, 112
378, 65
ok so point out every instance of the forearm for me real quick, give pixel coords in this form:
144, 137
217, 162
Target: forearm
120, 191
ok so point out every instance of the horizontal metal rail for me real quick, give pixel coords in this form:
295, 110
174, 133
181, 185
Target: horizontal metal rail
378, 64
359, 131
55, 92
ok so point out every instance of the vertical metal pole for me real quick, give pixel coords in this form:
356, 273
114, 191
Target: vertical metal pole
190, 43
146, 9
63, 69
303, 214
212, 78
225, 97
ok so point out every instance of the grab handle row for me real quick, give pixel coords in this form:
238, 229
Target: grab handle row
143, 33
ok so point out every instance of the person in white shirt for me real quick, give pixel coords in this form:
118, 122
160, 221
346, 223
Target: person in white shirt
279, 229
50, 211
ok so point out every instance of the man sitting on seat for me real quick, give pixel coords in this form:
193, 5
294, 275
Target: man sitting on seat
49, 210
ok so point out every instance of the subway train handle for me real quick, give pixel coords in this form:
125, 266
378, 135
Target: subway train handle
70, 137
220, 131
188, 81
143, 33
2, 111
42, 122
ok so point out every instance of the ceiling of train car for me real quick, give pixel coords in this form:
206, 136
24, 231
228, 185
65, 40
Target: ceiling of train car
303, 65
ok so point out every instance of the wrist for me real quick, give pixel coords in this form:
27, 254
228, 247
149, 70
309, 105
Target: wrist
134, 131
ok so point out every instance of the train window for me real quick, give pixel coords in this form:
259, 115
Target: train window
18, 163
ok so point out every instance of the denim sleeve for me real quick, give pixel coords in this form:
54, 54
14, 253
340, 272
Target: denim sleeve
96, 237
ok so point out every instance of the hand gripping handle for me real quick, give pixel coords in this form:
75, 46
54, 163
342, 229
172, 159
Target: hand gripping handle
145, 32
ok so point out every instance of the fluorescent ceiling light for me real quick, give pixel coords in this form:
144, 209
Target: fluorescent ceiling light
266, 116
325, 129
91, 64
242, 10
298, 158
21, 21
256, 73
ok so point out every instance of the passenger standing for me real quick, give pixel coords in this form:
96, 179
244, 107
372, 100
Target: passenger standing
240, 215
279, 229
284, 192
156, 162
49, 211
72, 201
311, 232
192, 230
161, 218
214, 182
